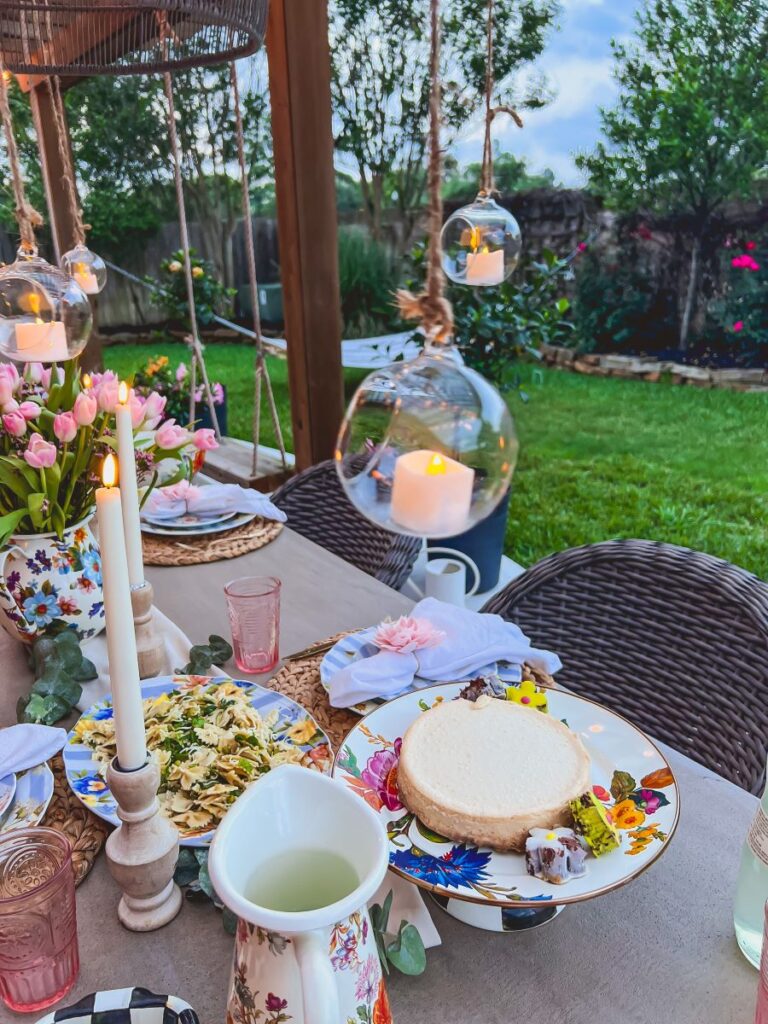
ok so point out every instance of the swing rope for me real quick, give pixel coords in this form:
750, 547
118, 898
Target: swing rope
26, 215
261, 371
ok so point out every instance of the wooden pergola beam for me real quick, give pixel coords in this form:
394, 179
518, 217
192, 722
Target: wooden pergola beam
300, 95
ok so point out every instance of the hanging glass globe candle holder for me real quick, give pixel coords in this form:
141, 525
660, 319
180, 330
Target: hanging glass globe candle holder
87, 268
427, 447
481, 243
45, 316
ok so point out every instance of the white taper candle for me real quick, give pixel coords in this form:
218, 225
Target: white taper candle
121, 639
129, 489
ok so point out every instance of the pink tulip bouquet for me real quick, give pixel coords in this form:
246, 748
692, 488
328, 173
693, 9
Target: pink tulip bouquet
57, 426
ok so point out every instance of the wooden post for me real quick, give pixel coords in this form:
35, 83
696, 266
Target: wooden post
300, 92
63, 231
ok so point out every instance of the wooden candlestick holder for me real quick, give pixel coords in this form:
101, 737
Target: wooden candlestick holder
149, 644
143, 851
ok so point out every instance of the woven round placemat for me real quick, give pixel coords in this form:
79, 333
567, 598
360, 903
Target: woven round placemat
210, 548
300, 680
67, 814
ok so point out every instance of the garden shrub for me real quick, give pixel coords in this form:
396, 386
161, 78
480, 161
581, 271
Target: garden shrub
739, 317
367, 282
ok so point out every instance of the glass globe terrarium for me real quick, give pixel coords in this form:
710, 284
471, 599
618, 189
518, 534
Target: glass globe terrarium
87, 268
45, 316
481, 243
427, 447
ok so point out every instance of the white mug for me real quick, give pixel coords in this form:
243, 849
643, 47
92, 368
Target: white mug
316, 966
446, 578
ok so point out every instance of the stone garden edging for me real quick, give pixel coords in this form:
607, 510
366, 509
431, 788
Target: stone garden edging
653, 370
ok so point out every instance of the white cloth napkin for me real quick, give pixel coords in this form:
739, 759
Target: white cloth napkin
168, 503
176, 644
24, 746
472, 641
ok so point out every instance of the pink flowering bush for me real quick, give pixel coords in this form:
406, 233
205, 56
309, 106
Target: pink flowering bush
741, 313
55, 429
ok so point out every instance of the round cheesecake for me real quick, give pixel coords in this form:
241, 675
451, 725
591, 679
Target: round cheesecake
488, 771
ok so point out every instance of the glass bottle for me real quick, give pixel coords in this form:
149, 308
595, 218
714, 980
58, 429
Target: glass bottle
761, 1010
752, 886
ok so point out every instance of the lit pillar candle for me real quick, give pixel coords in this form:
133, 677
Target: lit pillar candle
485, 268
431, 494
86, 278
41, 341
118, 613
129, 490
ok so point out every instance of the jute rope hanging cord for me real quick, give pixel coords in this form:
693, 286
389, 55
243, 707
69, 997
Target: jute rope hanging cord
486, 181
68, 172
194, 338
26, 215
261, 372
431, 306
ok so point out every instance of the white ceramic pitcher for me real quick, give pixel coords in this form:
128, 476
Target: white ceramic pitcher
308, 967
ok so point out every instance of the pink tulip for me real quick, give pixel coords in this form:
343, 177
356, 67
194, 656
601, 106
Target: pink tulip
30, 410
154, 407
40, 454
9, 381
738, 326
33, 372
181, 372
204, 439
169, 435
85, 409
65, 426
107, 394
15, 424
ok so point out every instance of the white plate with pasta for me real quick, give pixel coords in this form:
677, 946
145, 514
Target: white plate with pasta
211, 736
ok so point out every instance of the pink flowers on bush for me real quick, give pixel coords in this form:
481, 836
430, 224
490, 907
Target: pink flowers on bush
407, 634
745, 262
738, 326
40, 454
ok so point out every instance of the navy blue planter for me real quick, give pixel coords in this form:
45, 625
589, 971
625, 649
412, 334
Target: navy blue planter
203, 416
484, 544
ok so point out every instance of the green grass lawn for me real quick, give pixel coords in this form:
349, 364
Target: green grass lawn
600, 458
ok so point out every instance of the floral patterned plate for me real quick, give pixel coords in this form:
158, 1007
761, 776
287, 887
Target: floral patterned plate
7, 790
629, 774
360, 645
34, 789
84, 773
167, 530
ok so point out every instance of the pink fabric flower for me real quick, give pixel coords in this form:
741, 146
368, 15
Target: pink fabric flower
204, 439
9, 381
30, 410
85, 408
407, 634
65, 426
40, 454
169, 435
739, 325
15, 423
182, 491
154, 407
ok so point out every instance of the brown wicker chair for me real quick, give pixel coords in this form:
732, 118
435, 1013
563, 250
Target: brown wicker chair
318, 508
674, 639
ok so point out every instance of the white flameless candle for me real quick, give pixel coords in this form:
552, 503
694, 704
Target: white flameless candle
485, 268
41, 341
431, 494
129, 490
121, 639
86, 279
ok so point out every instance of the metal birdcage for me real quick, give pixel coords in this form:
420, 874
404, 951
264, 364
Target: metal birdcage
121, 37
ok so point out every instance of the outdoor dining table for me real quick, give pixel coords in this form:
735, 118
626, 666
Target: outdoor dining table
659, 949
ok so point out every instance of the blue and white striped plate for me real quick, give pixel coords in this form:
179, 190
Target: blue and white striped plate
84, 772
360, 645
7, 790
34, 789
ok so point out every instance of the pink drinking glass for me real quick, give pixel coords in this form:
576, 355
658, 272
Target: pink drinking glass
39, 959
253, 604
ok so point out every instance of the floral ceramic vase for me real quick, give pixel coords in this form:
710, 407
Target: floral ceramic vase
48, 585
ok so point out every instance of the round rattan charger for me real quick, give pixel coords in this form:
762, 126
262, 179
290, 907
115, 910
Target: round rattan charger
67, 814
299, 679
160, 550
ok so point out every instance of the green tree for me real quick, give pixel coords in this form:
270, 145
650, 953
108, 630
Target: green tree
510, 174
690, 129
379, 61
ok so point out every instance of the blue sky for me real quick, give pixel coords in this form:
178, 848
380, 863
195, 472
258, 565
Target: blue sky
577, 63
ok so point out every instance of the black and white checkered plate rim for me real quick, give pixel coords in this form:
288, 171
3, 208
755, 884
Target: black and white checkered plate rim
125, 1006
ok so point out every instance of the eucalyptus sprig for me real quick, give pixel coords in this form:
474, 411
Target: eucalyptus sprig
403, 949
60, 668
202, 656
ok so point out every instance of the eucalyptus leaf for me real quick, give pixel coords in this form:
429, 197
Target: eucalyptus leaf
203, 656
406, 952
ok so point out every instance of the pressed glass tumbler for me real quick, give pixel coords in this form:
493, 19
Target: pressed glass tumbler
253, 604
39, 958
